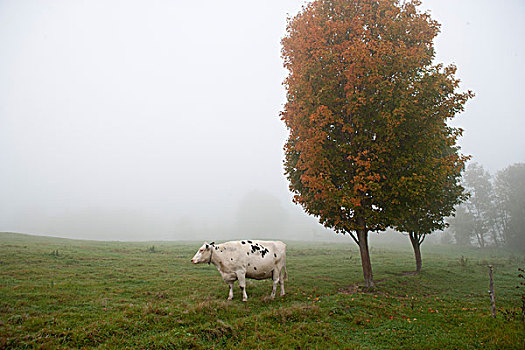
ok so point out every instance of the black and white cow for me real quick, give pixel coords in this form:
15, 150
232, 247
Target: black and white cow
238, 260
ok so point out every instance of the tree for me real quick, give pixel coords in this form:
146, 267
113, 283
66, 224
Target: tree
461, 225
361, 88
510, 198
260, 213
480, 202
426, 205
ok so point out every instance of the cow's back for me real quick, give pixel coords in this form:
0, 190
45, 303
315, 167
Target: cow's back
264, 257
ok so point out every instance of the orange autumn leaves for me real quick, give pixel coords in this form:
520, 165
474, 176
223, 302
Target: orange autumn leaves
366, 110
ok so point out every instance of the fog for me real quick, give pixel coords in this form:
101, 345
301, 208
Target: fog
159, 120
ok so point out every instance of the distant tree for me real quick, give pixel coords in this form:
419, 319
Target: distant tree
480, 203
361, 90
260, 214
461, 225
510, 203
446, 237
501, 205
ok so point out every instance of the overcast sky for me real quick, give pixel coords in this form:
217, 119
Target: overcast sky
159, 119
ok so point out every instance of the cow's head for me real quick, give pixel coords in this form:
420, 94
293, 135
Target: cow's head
203, 255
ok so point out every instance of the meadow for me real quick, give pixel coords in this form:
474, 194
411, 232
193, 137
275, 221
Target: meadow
59, 293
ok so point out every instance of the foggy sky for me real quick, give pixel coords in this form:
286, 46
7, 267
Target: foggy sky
160, 119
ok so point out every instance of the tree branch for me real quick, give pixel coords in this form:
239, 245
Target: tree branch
353, 237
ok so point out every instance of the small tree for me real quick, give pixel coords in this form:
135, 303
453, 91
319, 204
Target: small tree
426, 205
461, 225
510, 199
480, 203
361, 86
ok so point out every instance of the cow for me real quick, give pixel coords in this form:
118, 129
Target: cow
238, 260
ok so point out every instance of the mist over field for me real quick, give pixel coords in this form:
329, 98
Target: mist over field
159, 120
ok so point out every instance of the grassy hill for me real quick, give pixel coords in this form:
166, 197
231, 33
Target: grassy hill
60, 293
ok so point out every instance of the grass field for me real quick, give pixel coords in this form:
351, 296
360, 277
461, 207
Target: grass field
59, 293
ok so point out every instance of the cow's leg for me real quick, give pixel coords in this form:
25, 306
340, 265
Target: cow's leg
241, 276
230, 295
281, 279
275, 278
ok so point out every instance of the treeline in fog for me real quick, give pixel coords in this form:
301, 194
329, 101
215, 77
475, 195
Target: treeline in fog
494, 213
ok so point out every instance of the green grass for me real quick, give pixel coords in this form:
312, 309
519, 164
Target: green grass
59, 293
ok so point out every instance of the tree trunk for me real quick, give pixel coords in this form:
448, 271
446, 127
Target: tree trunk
481, 240
416, 244
362, 236
494, 234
